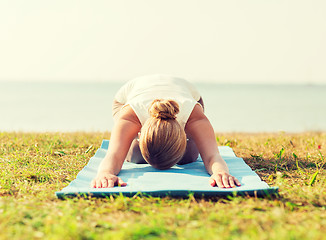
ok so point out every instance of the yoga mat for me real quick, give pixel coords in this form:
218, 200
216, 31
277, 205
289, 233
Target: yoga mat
180, 180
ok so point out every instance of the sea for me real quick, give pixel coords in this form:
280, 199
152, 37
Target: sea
86, 106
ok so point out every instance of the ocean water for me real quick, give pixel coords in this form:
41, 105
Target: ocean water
58, 106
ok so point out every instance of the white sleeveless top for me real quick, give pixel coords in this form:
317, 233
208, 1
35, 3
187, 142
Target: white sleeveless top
140, 92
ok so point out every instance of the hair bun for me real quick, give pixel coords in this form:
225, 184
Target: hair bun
164, 109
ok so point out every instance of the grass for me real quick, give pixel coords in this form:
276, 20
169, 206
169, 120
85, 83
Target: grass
33, 166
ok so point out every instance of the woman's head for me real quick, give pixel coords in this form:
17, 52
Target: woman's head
162, 140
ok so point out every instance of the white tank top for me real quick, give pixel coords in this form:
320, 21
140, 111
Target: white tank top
140, 92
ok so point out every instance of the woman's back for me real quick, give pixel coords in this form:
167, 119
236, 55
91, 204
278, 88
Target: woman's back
140, 92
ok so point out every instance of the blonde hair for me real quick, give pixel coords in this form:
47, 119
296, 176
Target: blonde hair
162, 139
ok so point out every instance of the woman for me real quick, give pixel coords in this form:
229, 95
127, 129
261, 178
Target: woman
167, 114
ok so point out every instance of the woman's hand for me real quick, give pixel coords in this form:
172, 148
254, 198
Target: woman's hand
223, 180
107, 180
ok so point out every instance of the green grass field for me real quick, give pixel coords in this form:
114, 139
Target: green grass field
33, 166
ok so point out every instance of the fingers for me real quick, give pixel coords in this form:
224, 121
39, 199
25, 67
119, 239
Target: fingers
224, 180
219, 181
104, 182
231, 181
110, 183
98, 183
121, 182
237, 182
212, 181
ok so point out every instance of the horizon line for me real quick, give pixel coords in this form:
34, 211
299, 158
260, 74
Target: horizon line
201, 81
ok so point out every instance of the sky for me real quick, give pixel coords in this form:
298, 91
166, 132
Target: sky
234, 41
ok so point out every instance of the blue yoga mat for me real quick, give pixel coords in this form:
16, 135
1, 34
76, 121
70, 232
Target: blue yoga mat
180, 180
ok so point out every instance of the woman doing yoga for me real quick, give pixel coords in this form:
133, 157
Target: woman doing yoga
160, 120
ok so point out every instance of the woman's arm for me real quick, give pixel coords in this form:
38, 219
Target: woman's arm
200, 129
124, 131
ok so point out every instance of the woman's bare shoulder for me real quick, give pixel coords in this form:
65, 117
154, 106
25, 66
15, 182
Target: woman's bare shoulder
197, 114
